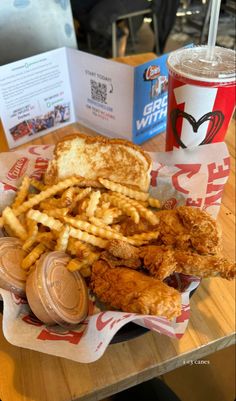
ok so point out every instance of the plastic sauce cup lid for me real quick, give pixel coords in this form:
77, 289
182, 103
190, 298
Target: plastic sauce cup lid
63, 293
12, 276
192, 63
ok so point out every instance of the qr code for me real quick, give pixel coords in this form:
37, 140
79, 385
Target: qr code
98, 91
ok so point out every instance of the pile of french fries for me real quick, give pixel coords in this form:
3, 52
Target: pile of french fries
75, 218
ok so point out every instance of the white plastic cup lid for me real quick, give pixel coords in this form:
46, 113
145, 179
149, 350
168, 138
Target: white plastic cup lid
192, 63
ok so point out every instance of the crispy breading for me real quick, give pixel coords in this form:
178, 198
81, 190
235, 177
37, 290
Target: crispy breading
172, 231
187, 227
162, 261
204, 265
159, 260
132, 263
122, 249
128, 227
204, 232
132, 291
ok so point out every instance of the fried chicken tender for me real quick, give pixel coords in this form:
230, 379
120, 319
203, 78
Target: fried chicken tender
159, 260
204, 232
172, 231
187, 227
128, 227
132, 291
122, 249
162, 261
204, 265
132, 263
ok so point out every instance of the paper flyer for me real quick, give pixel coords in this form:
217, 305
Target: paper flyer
102, 93
44, 92
35, 96
150, 106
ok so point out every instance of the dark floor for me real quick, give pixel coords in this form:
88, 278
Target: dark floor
184, 32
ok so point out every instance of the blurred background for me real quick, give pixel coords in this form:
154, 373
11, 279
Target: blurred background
108, 28
177, 23
189, 27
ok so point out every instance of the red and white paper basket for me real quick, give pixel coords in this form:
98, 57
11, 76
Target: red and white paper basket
193, 177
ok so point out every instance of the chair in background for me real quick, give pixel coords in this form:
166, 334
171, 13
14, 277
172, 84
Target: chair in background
129, 17
228, 9
197, 15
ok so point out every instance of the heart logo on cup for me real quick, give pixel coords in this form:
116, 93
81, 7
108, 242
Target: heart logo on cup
215, 118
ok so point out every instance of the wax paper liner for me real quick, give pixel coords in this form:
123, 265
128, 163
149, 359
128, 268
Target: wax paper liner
193, 177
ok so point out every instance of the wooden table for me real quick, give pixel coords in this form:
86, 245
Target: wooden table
31, 376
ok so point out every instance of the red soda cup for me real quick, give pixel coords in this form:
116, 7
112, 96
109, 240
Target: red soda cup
201, 96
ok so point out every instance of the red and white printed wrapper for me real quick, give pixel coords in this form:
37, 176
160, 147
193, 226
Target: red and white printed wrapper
193, 176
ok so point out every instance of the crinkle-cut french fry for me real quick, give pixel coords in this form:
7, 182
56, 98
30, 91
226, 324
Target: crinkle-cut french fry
92, 229
81, 217
92, 203
44, 219
51, 203
144, 237
67, 197
71, 247
14, 223
23, 220
92, 257
131, 193
84, 204
29, 243
74, 264
9, 231
58, 213
68, 182
77, 264
46, 235
29, 271
31, 258
22, 192
82, 194
105, 205
144, 203
47, 239
30, 195
127, 208
62, 240
55, 233
37, 184
79, 248
86, 271
108, 215
116, 227
91, 239
32, 227
144, 212
99, 223
32, 234
78, 189
153, 202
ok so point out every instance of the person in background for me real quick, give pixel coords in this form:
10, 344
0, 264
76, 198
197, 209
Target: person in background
165, 11
95, 18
